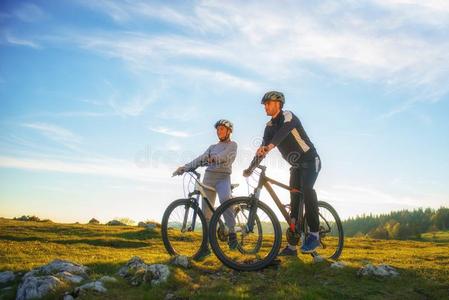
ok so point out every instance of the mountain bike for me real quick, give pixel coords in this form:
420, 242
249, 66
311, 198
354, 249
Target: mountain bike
264, 236
184, 229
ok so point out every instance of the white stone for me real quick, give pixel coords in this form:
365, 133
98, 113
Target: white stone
7, 276
58, 266
66, 276
94, 286
381, 270
68, 297
181, 260
134, 263
160, 273
318, 259
108, 279
150, 226
338, 265
37, 287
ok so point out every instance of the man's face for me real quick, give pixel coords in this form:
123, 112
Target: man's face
222, 132
272, 107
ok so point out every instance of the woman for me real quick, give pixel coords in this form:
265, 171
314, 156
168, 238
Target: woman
219, 158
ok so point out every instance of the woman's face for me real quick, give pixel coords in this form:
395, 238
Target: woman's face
222, 132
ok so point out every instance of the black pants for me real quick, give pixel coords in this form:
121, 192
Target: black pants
303, 178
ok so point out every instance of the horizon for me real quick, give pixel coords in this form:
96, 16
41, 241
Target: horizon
102, 101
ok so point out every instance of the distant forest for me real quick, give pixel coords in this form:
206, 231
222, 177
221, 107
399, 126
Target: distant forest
398, 225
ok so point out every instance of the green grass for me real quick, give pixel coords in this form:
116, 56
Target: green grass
436, 236
423, 265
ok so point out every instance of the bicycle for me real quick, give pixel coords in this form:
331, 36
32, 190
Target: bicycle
183, 227
265, 235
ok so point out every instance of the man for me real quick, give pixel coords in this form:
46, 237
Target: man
219, 158
285, 131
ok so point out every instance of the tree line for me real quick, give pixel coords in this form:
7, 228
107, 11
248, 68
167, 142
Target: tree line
402, 224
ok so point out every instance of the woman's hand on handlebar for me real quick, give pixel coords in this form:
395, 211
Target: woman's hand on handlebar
247, 173
179, 171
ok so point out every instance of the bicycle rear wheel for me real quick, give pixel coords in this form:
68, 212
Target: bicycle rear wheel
180, 234
331, 232
255, 249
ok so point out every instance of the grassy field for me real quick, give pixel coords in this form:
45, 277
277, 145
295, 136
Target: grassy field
423, 265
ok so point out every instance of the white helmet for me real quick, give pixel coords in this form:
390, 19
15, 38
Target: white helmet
225, 123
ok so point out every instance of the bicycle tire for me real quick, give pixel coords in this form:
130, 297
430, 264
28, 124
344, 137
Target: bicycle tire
340, 242
260, 264
171, 249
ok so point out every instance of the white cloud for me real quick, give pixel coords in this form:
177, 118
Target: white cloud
98, 167
170, 132
56, 133
278, 41
13, 40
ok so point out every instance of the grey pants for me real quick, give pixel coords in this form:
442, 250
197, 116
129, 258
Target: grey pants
222, 184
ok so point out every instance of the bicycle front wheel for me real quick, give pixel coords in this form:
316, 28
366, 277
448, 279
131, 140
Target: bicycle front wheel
184, 228
255, 249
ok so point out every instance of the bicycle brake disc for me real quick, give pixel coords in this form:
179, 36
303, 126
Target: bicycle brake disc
222, 234
292, 237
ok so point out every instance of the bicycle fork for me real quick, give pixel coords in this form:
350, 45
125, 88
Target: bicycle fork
186, 215
252, 214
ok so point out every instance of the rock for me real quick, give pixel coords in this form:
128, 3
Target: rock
66, 276
40, 281
381, 270
150, 226
169, 296
318, 259
338, 265
7, 276
115, 223
136, 272
181, 260
132, 265
37, 287
96, 286
105, 279
59, 266
159, 272
68, 297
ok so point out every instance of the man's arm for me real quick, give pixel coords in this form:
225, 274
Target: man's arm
253, 165
290, 122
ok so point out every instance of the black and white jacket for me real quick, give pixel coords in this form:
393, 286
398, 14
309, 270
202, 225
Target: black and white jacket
285, 131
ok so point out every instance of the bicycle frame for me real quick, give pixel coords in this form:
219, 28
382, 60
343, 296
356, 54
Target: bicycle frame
265, 181
196, 199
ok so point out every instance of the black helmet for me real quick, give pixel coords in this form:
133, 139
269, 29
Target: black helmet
273, 95
225, 123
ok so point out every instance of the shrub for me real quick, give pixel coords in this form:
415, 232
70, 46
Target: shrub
94, 221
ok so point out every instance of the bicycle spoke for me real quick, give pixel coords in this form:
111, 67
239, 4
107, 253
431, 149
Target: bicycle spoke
180, 237
253, 248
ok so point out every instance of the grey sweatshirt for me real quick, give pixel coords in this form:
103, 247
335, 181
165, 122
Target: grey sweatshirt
223, 154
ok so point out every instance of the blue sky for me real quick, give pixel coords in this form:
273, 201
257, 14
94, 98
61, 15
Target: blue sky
102, 100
